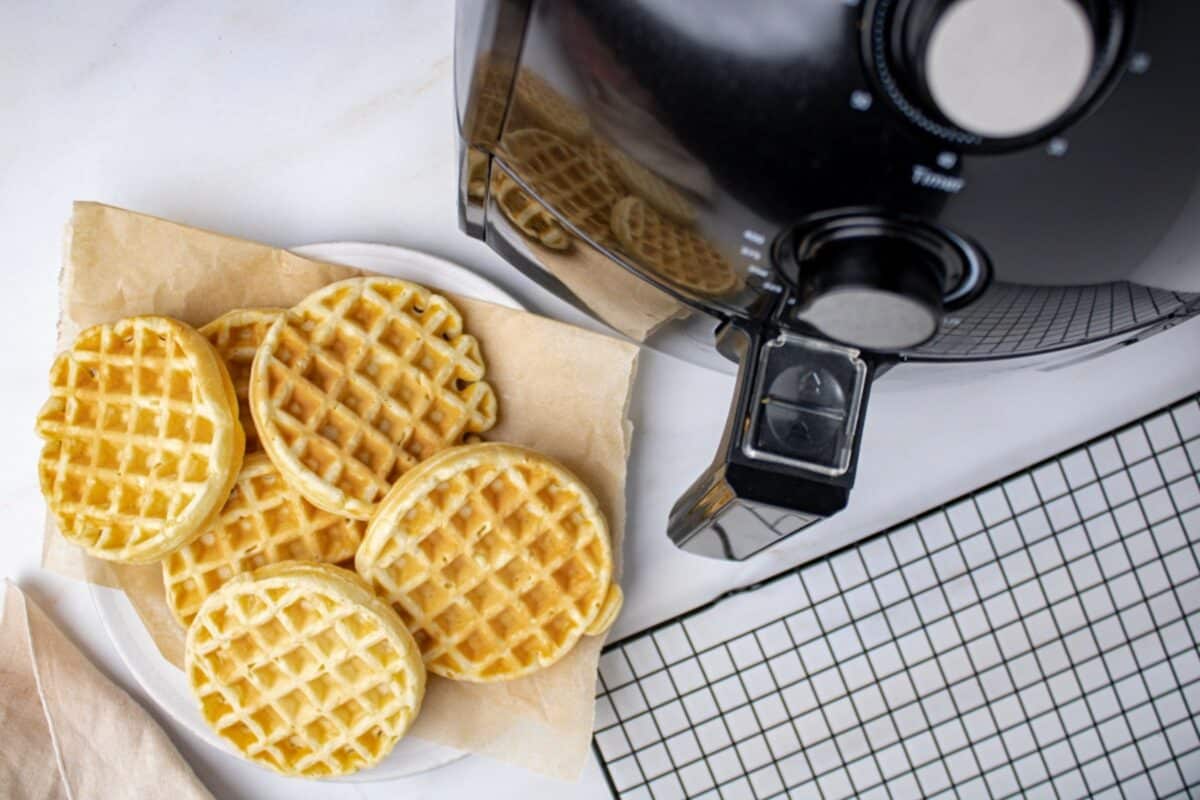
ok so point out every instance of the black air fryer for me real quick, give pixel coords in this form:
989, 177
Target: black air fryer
811, 193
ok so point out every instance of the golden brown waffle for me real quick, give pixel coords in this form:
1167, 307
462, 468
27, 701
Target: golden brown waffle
545, 107
477, 170
301, 669
640, 181
359, 382
564, 178
142, 440
485, 117
264, 522
529, 216
600, 152
676, 254
237, 335
497, 558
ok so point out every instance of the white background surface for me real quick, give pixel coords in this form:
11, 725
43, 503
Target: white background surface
304, 122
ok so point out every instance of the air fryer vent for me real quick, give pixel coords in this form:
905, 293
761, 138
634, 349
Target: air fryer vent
1012, 320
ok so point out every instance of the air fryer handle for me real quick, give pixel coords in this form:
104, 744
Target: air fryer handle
790, 448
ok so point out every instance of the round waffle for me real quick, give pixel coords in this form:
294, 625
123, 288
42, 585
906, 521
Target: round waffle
301, 669
545, 107
661, 195
497, 559
565, 178
142, 440
361, 381
237, 335
676, 254
265, 521
529, 216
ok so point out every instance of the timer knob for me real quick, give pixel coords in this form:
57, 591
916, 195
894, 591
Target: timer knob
1002, 68
870, 290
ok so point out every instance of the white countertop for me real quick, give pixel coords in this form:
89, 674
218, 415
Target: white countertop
292, 124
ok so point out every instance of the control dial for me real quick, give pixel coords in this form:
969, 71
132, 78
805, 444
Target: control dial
1003, 68
878, 292
994, 73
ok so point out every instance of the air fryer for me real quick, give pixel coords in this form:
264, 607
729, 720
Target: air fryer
813, 193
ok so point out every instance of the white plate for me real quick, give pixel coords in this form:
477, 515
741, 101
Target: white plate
166, 684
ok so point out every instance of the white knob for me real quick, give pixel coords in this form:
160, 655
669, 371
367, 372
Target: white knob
1003, 68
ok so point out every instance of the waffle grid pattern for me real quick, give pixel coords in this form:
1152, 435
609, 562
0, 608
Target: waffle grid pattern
527, 215
264, 521
486, 116
477, 174
360, 382
132, 432
236, 337
497, 569
565, 178
677, 254
300, 679
601, 152
1036, 638
543, 104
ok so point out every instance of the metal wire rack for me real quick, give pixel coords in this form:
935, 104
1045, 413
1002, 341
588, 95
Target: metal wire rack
1037, 637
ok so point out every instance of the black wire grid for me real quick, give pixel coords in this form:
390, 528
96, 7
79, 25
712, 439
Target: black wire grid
1035, 638
1012, 319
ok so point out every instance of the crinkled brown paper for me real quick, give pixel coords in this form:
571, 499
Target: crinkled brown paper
562, 391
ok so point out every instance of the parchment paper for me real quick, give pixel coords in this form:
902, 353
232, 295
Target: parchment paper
561, 390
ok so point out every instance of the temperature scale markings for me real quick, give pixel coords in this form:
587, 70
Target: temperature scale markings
758, 271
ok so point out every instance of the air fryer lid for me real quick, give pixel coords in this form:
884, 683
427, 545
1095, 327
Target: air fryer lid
838, 187
761, 94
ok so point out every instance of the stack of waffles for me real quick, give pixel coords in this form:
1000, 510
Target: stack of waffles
329, 522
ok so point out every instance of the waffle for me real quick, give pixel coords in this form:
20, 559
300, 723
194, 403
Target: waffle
237, 335
527, 215
301, 669
264, 521
640, 181
477, 171
565, 178
675, 253
497, 559
142, 441
601, 152
545, 107
359, 382
493, 81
